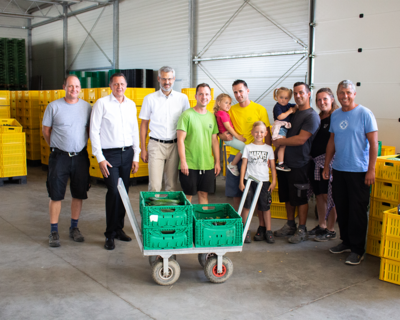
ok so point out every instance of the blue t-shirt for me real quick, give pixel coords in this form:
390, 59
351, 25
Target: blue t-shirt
279, 109
351, 143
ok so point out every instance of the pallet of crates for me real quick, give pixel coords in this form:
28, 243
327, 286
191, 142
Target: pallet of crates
167, 221
385, 195
12, 152
390, 248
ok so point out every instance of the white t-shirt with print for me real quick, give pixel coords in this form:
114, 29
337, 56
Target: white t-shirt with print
257, 160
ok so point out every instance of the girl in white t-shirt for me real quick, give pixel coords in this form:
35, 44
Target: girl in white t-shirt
257, 158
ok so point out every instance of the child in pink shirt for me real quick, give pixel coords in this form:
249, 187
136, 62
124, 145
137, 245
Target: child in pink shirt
221, 108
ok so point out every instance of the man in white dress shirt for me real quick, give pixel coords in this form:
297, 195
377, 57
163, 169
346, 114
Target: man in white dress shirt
162, 109
114, 135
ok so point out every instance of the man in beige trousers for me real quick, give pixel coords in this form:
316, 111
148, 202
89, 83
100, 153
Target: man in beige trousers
162, 109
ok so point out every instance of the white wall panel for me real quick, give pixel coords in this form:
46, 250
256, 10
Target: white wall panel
338, 35
153, 34
251, 33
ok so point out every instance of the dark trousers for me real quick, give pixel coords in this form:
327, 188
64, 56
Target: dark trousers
121, 162
351, 197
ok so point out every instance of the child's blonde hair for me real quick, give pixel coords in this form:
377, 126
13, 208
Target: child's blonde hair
219, 99
276, 92
259, 123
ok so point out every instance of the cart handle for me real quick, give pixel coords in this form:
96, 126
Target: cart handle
253, 203
129, 212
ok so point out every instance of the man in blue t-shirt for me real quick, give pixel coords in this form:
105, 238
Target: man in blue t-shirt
354, 142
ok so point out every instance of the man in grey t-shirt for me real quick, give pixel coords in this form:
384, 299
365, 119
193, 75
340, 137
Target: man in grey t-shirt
65, 129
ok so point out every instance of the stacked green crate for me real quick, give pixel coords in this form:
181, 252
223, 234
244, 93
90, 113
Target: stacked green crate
167, 220
3, 64
21, 63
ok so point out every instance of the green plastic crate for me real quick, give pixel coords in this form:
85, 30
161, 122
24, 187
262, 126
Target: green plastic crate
168, 238
160, 216
217, 225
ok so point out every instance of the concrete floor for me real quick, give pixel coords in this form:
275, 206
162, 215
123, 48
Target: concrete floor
84, 281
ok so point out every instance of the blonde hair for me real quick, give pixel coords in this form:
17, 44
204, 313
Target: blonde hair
259, 123
277, 90
329, 92
219, 99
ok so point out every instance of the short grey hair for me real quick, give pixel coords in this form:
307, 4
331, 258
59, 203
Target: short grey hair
166, 69
345, 84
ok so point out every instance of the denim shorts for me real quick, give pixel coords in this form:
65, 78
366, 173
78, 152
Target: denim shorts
283, 131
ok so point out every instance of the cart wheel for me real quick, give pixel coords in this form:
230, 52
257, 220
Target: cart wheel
153, 259
174, 271
203, 257
211, 270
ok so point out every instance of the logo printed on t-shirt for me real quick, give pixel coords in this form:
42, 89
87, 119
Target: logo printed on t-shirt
210, 126
259, 157
343, 125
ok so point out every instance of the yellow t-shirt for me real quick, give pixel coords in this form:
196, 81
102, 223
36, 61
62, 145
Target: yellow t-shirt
243, 119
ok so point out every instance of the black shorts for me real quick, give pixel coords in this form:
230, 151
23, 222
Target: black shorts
321, 186
262, 203
287, 190
197, 180
61, 168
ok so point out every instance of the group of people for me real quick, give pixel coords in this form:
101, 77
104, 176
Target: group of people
332, 154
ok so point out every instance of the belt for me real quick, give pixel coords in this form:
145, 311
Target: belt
119, 149
164, 141
71, 154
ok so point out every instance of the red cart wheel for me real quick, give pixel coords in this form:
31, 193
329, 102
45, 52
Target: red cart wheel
211, 270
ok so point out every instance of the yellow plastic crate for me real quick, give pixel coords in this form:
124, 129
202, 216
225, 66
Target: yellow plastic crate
32, 136
374, 246
375, 227
12, 138
191, 92
42, 140
57, 94
12, 160
35, 147
192, 103
21, 120
42, 97
390, 248
12, 148
12, 171
391, 223
138, 94
44, 149
386, 190
93, 161
33, 155
4, 98
94, 171
10, 126
32, 122
5, 112
13, 112
103, 92
210, 106
48, 96
44, 159
387, 169
32, 112
20, 111
278, 211
387, 150
390, 271
378, 207
275, 196
91, 96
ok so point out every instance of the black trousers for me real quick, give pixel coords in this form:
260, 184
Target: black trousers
121, 162
351, 197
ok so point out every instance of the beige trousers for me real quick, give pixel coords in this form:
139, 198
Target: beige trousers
163, 162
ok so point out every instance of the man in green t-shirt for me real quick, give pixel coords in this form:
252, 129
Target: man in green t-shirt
197, 136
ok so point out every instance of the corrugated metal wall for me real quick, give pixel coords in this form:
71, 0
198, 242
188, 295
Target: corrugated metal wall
250, 33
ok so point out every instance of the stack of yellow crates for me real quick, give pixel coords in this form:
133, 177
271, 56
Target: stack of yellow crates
13, 104
31, 123
390, 248
5, 104
384, 196
191, 92
12, 150
44, 98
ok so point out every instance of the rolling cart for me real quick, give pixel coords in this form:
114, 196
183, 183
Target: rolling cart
165, 268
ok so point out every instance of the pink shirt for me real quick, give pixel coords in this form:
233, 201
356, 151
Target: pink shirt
222, 117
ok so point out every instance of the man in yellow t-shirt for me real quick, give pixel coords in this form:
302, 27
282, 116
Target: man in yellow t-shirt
243, 115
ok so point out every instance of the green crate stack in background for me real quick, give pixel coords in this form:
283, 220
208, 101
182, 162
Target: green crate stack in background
12, 64
166, 226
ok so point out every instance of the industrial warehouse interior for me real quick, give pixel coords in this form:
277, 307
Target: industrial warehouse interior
178, 257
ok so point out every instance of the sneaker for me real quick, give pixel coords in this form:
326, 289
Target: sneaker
282, 167
54, 239
354, 259
76, 235
286, 230
340, 248
260, 235
316, 231
325, 236
299, 236
269, 237
248, 237
233, 169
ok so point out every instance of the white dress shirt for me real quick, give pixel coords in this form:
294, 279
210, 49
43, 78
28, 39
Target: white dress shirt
114, 125
163, 112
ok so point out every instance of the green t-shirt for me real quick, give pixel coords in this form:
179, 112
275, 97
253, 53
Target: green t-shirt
199, 129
